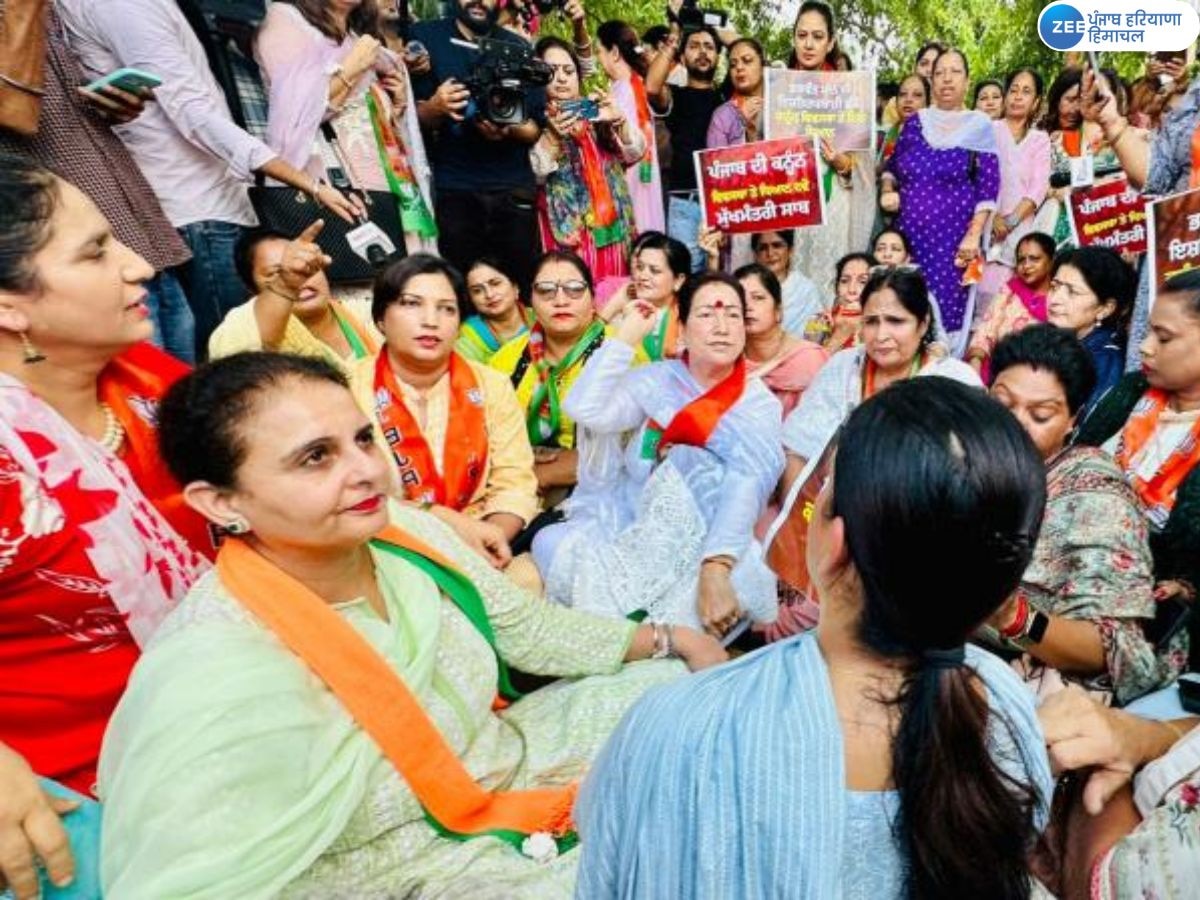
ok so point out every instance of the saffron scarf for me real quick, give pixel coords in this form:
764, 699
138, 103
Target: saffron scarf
645, 125
131, 385
543, 419
1158, 494
377, 698
694, 424
602, 216
465, 452
414, 213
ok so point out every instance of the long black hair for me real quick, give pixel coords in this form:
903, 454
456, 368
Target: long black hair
926, 463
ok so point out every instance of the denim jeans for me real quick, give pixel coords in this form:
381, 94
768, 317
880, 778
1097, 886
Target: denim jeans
174, 327
210, 279
683, 224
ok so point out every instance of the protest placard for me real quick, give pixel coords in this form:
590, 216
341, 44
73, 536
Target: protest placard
1174, 236
839, 106
1110, 214
764, 186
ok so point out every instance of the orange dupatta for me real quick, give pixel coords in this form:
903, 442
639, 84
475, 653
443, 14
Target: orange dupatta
377, 699
694, 424
645, 125
131, 385
1157, 494
465, 452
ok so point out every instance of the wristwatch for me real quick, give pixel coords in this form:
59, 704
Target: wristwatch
1034, 630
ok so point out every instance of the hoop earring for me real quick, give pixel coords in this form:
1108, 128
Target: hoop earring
31, 354
237, 527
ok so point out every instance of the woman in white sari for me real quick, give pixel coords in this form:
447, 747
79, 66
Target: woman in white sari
665, 523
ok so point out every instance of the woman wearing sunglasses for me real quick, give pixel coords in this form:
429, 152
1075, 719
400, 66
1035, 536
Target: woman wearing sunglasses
452, 428
544, 365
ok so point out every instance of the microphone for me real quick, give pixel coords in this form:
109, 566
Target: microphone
371, 244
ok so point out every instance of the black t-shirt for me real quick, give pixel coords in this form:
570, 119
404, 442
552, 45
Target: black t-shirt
691, 110
462, 159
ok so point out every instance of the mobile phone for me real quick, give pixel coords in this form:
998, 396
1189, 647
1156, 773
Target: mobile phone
585, 108
1170, 617
1189, 692
129, 80
414, 50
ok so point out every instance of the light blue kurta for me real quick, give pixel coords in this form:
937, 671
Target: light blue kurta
732, 784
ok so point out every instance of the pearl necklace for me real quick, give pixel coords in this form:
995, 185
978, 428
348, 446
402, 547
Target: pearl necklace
114, 434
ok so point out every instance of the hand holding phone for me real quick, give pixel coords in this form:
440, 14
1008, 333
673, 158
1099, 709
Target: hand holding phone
131, 81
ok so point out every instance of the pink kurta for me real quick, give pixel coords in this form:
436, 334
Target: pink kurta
1024, 174
647, 195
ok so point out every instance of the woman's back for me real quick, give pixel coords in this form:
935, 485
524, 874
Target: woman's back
783, 822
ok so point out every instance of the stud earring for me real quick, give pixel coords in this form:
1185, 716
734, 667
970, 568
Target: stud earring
237, 527
31, 353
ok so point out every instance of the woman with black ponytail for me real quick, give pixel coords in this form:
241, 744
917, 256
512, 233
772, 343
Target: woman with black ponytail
878, 756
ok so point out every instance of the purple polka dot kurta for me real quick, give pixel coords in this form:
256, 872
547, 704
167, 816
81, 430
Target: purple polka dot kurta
938, 197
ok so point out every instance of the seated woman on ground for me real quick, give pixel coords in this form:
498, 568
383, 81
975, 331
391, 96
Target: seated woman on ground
96, 544
897, 337
801, 298
891, 248
677, 461
453, 429
1150, 423
544, 365
840, 326
1091, 295
1020, 303
879, 756
499, 315
320, 715
659, 267
1087, 596
291, 310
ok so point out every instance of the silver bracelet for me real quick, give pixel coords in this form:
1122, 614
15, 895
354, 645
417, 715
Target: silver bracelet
664, 641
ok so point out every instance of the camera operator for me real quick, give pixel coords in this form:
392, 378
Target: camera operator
483, 181
687, 111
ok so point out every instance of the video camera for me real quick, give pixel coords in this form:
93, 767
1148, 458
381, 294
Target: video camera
501, 80
692, 18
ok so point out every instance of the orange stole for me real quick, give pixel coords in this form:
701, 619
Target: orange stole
464, 456
131, 385
380, 702
694, 424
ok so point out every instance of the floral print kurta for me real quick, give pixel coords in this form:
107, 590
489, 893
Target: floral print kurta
1092, 561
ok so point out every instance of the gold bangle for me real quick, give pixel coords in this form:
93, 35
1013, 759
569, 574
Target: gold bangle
341, 76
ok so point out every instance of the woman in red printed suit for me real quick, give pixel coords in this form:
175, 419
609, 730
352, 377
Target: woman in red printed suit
96, 545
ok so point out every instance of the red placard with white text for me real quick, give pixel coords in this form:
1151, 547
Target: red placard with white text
764, 186
1110, 214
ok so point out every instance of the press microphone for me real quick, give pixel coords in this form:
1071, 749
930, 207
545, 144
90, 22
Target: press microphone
371, 244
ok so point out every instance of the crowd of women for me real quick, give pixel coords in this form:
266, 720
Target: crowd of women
398, 594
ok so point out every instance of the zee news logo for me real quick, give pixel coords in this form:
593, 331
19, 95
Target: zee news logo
1119, 26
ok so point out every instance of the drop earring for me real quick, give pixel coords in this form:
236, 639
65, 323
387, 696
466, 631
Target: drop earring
31, 353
